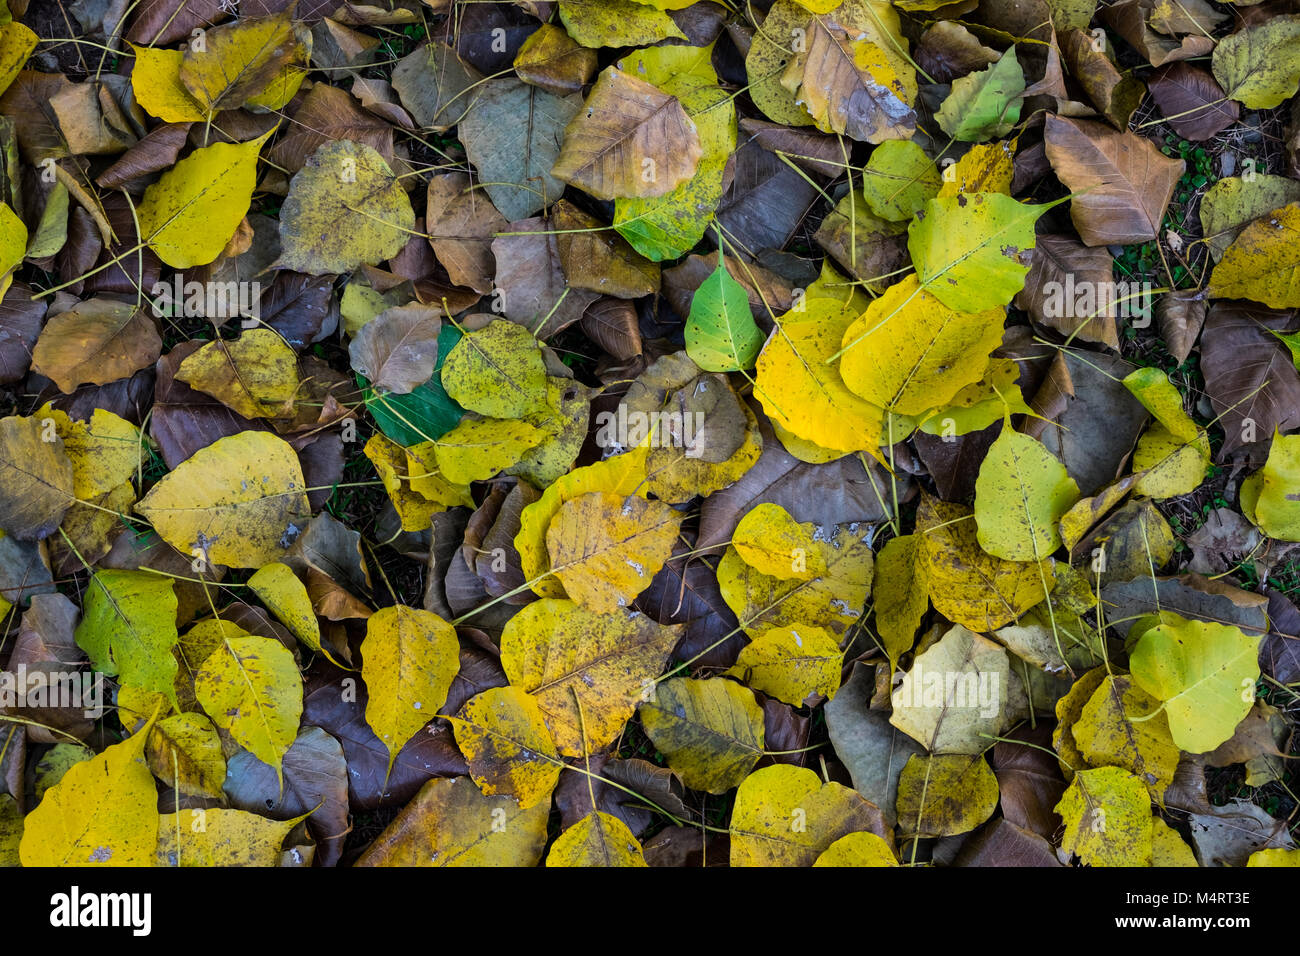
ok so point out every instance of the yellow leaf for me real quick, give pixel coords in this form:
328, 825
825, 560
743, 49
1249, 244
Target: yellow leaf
1269, 496
773, 543
13, 245
910, 353
238, 60
250, 687
428, 481
786, 816
1021, 493
805, 394
902, 593
984, 168
394, 467
190, 214
1107, 815
256, 374
1122, 726
796, 664
345, 209
1274, 858
504, 739
857, 849
1169, 849
241, 501
967, 585
598, 839
833, 600
606, 548
16, 44
185, 751
586, 670
220, 837
709, 731
956, 695
621, 475
104, 812
279, 589
105, 451
156, 80
409, 658
450, 822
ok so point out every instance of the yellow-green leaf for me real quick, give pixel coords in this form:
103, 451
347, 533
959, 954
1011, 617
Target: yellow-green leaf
709, 731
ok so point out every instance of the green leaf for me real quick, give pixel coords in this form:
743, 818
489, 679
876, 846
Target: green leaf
721, 335
425, 413
986, 104
899, 179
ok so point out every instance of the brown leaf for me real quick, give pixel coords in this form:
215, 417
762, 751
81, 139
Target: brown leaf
328, 113
27, 104
315, 781
809, 150
610, 323
948, 50
766, 202
629, 139
1002, 843
462, 222
535, 293
553, 61
163, 22
397, 349
1116, 95
685, 591
1249, 375
340, 710
1130, 181
1192, 101
1073, 266
595, 257
1128, 18
184, 419
100, 341
1279, 652
954, 462
489, 546
156, 152
301, 307
20, 325
846, 99
838, 492
1181, 316
1030, 780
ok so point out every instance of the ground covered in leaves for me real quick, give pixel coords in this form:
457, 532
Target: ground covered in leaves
626, 432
